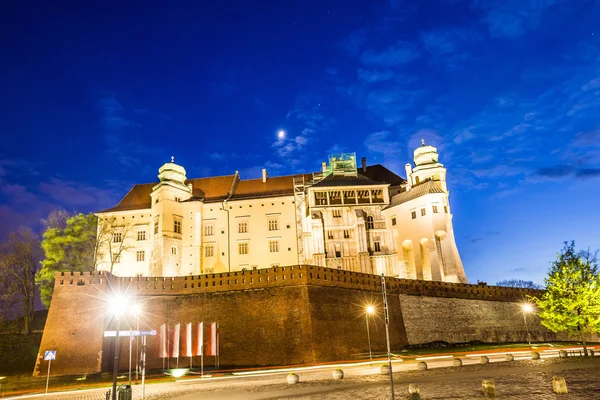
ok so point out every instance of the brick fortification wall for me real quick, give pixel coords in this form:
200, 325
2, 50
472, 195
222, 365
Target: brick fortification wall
275, 316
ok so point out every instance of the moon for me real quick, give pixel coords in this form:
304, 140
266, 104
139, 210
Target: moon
281, 134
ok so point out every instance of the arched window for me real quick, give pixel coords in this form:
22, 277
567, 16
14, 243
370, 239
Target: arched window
370, 223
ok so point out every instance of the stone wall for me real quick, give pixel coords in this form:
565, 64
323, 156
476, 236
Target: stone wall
275, 316
430, 319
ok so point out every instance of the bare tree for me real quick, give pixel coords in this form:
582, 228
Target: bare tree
20, 255
113, 240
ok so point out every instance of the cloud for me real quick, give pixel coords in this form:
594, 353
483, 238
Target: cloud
448, 47
512, 18
113, 114
396, 55
355, 41
372, 76
383, 144
588, 173
75, 194
555, 172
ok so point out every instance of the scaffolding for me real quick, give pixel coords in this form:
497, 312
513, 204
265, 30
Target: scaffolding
300, 202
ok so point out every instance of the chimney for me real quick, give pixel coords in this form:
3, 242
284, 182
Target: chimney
324, 166
364, 163
265, 175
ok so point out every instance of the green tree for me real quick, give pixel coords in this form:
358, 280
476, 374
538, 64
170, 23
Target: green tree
571, 301
19, 259
69, 244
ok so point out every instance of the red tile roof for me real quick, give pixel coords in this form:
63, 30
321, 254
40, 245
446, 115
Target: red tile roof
217, 188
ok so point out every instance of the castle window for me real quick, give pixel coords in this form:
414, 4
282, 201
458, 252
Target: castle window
446, 209
178, 199
338, 250
156, 227
377, 196
413, 214
330, 235
209, 251
117, 237
273, 224
141, 235
140, 255
349, 197
370, 223
321, 198
335, 197
274, 246
116, 257
177, 226
423, 212
377, 245
435, 209
242, 248
174, 250
337, 213
393, 221
243, 227
209, 230
346, 234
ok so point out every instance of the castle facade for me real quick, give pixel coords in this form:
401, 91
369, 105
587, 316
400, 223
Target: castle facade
361, 218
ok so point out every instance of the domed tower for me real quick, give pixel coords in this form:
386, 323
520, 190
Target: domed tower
167, 219
427, 167
423, 221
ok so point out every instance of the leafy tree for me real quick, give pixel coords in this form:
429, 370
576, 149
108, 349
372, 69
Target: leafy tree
69, 244
519, 283
19, 258
571, 301
114, 238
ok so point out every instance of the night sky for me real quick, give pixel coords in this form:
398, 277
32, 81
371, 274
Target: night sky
96, 96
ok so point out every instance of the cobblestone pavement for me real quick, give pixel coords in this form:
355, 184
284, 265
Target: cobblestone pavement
515, 380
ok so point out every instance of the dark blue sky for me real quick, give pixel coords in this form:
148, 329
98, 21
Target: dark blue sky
97, 95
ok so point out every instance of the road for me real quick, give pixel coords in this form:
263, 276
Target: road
316, 382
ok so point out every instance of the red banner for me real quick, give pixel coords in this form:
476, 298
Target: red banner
198, 351
188, 340
162, 352
175, 341
213, 341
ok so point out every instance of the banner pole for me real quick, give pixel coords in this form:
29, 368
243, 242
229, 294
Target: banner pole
48, 376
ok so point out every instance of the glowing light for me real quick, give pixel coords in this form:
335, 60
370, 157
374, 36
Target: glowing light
527, 307
281, 134
136, 309
370, 309
179, 372
118, 304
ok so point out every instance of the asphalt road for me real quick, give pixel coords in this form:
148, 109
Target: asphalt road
315, 382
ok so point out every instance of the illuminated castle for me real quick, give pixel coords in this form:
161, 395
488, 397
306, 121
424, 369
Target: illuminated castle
358, 218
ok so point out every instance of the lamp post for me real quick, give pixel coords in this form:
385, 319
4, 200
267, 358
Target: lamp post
527, 308
370, 310
118, 305
135, 311
387, 332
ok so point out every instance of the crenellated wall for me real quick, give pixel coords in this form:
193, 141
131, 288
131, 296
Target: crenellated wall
275, 316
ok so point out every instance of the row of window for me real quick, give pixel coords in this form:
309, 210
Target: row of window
243, 248
424, 211
272, 225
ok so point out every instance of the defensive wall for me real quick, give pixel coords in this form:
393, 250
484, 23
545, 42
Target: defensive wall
276, 316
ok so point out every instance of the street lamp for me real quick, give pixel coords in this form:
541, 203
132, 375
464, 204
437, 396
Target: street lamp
527, 308
118, 306
135, 310
370, 310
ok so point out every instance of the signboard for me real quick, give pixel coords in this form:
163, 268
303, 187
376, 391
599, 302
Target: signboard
49, 355
128, 333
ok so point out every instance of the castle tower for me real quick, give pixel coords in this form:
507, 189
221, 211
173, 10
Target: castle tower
422, 221
168, 220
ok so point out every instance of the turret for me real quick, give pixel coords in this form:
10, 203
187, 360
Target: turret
427, 167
